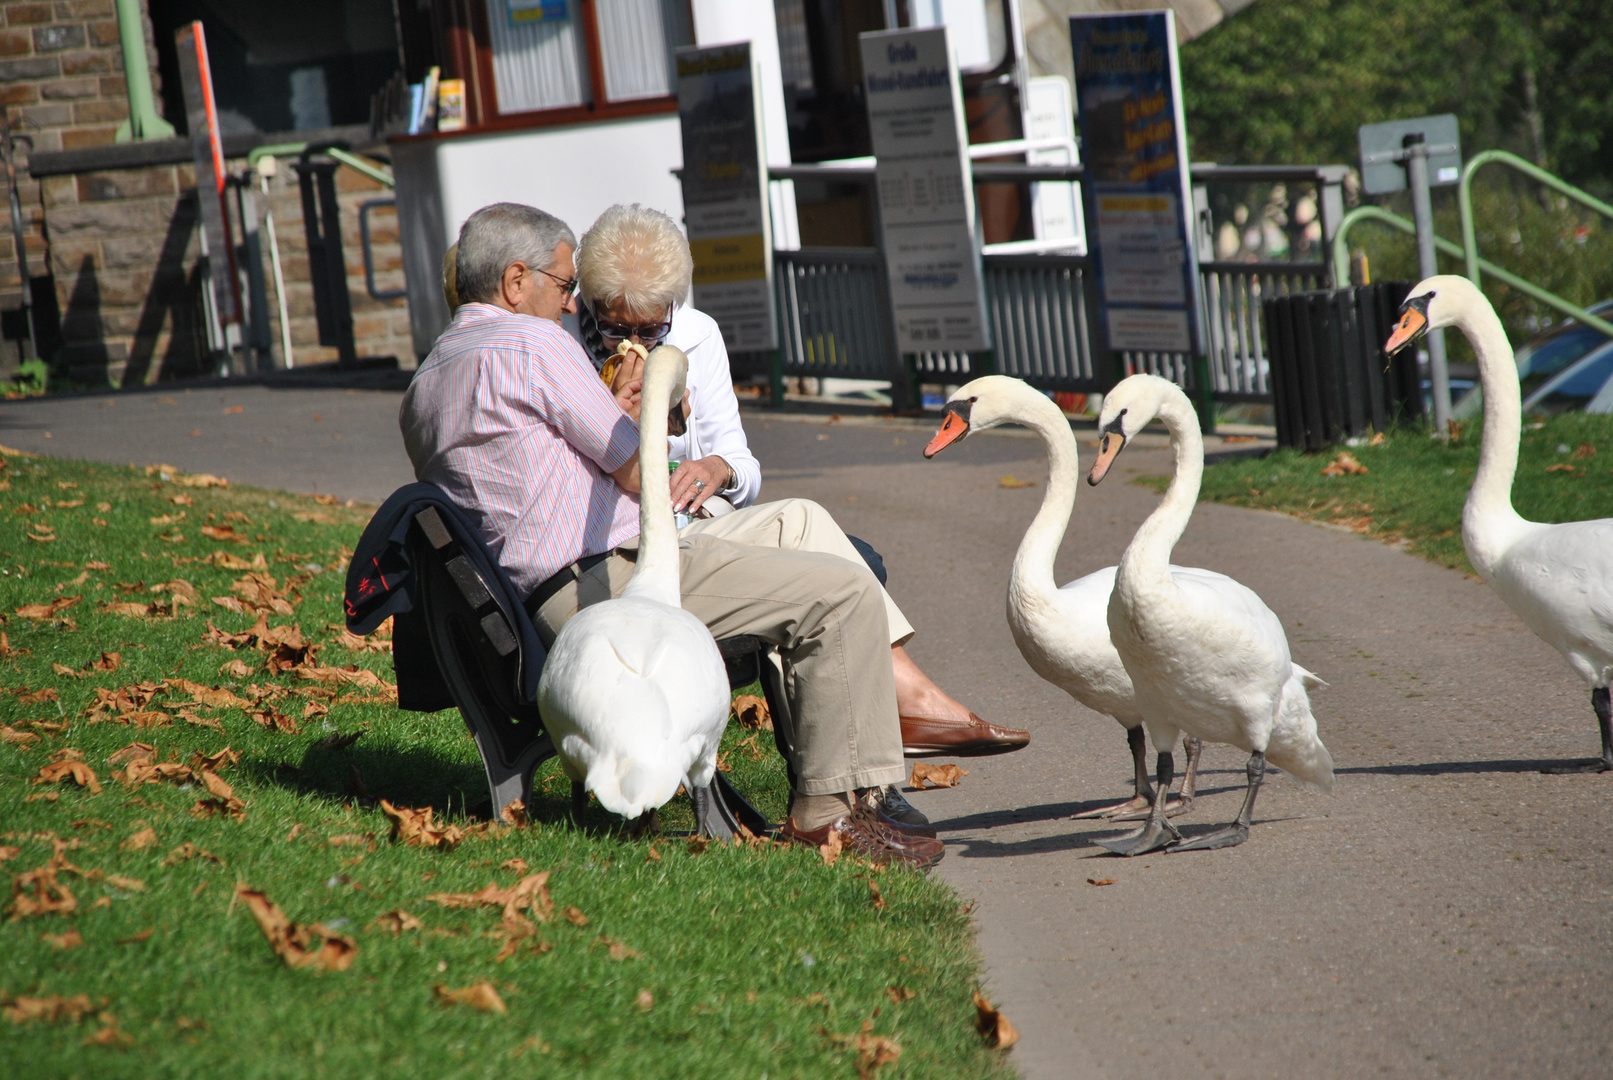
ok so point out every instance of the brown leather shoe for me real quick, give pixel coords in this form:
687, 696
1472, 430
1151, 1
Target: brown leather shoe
863, 834
923, 737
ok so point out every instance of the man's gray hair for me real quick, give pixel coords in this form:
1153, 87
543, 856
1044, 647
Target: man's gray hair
495, 236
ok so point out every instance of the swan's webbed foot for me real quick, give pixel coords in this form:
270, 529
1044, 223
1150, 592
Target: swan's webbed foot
1133, 809
1174, 807
1238, 831
1602, 703
1156, 834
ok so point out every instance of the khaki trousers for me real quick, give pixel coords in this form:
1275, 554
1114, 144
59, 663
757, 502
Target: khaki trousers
827, 618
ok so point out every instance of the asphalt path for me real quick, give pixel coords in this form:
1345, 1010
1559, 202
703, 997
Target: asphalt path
1447, 911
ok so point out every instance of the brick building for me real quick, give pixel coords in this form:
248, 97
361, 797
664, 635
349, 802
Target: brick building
112, 228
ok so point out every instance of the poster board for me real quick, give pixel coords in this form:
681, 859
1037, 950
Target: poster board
725, 198
1138, 197
926, 198
201, 114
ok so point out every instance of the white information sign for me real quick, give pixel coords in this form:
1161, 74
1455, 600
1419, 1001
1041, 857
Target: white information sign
926, 201
725, 193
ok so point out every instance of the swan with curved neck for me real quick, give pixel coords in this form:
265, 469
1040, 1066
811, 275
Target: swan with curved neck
1205, 654
1557, 578
1063, 633
634, 692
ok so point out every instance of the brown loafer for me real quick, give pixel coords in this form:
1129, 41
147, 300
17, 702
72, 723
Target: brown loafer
923, 737
863, 834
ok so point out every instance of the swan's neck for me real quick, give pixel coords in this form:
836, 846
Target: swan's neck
1490, 524
655, 576
1149, 555
1033, 565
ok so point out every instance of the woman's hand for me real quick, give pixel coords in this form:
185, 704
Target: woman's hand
628, 384
712, 474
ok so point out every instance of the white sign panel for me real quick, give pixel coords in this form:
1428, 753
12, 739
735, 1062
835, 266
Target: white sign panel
725, 193
1055, 207
926, 202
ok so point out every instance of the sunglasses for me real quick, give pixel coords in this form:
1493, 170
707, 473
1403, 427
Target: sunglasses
568, 286
649, 334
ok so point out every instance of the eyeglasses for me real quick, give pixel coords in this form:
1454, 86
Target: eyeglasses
649, 334
568, 286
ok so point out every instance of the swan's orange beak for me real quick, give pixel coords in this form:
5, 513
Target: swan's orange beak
1109, 447
953, 428
1413, 324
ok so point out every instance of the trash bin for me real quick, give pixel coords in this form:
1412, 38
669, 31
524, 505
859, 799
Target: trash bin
1329, 377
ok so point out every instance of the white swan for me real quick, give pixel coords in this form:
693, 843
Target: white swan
634, 692
1205, 654
1557, 578
1063, 633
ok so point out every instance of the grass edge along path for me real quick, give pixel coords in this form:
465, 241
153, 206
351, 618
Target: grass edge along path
1413, 487
143, 859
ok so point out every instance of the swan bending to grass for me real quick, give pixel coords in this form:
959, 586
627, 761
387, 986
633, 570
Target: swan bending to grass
1063, 633
1557, 578
1205, 654
634, 692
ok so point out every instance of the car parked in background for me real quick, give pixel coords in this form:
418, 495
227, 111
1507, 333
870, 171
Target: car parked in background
1569, 368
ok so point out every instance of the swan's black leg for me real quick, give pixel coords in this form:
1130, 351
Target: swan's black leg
579, 801
1138, 804
1159, 831
1238, 831
1603, 706
1194, 748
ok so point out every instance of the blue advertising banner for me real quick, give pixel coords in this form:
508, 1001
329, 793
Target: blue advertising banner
1128, 90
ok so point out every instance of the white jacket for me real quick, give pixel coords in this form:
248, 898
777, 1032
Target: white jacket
714, 426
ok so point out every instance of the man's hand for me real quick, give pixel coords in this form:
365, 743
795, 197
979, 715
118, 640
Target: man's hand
628, 384
711, 471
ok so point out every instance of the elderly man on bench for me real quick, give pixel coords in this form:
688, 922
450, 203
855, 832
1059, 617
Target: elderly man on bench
508, 417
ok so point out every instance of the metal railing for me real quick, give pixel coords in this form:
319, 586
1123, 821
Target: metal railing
1232, 293
834, 318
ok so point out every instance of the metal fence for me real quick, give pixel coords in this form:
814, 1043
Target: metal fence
834, 321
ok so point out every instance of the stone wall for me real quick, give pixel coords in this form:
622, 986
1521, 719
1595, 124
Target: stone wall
122, 245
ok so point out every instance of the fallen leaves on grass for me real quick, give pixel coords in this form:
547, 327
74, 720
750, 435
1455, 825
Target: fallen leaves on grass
136, 939
24, 739
139, 841
416, 828
223, 800
992, 1024
926, 776
214, 697
49, 1009
129, 609
36, 697
70, 940
1566, 468
171, 475
873, 1051
618, 950
271, 719
513, 814
312, 946
1014, 482
68, 764
752, 713
110, 1035
396, 922
39, 892
237, 668
531, 893
899, 994
874, 895
574, 915
1344, 464
697, 844
830, 849
188, 851
478, 996
9, 853
46, 612
225, 532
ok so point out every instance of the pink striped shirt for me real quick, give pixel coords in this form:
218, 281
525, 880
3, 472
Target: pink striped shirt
510, 419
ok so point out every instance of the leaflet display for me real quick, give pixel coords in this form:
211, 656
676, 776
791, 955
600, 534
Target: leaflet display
926, 201
725, 193
1138, 196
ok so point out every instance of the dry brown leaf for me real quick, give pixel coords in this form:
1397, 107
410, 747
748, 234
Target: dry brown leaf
752, 713
1101, 881
70, 940
873, 1051
514, 814
416, 829
396, 922
351, 675
311, 946
899, 994
223, 801
68, 764
224, 532
111, 1036
877, 897
652, 855
48, 611
188, 851
38, 892
574, 915
218, 760
697, 844
109, 662
517, 865
1582, 452
1014, 482
127, 608
36, 697
272, 719
531, 893
214, 697
645, 1001
141, 840
478, 996
1344, 464
49, 1009
81, 579
991, 1023
9, 853
618, 950
927, 776
135, 939
1563, 468
66, 672
237, 668
830, 848
24, 739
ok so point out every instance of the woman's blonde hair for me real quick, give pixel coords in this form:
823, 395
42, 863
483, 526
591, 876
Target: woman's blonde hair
636, 256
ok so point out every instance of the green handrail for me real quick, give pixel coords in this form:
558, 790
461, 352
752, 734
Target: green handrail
352, 161
143, 122
1464, 197
1341, 264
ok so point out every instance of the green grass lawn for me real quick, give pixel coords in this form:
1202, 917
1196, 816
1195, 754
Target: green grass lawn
729, 962
1415, 485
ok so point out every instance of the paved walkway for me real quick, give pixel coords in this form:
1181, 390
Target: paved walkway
1447, 912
